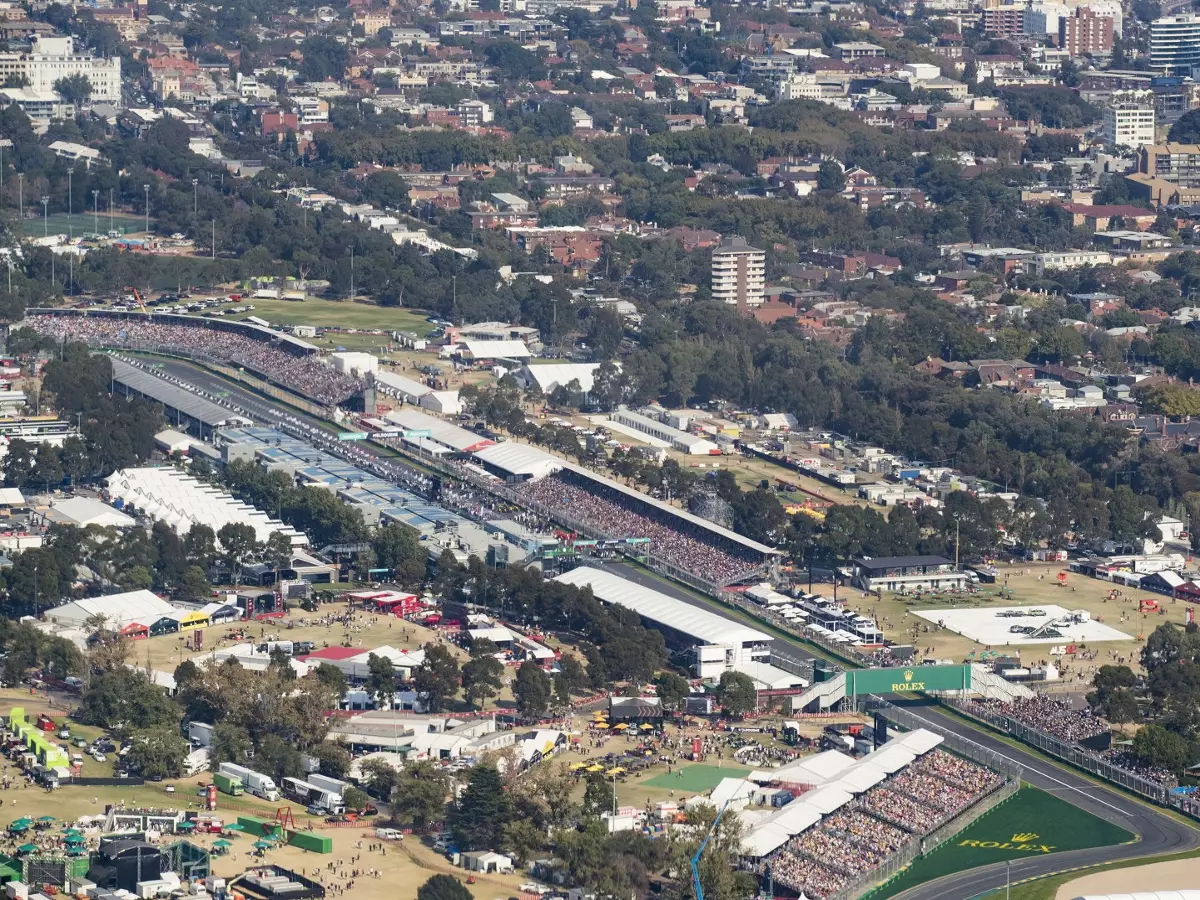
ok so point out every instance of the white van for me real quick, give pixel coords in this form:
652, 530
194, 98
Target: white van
388, 834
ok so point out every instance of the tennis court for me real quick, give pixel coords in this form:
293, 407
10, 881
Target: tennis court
696, 779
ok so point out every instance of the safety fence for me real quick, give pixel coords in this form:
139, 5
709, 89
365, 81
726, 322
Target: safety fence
1082, 758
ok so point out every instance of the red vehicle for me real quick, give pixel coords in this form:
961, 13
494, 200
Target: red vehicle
46, 723
432, 619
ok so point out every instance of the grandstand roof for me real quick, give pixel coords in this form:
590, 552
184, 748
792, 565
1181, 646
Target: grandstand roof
694, 621
406, 387
519, 459
441, 432
845, 778
85, 511
683, 514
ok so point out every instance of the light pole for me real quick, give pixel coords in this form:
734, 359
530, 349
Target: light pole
21, 194
70, 192
195, 198
46, 216
146, 188
95, 210
110, 210
214, 242
1007, 878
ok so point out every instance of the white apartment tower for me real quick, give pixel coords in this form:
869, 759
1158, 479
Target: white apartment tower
1175, 44
739, 273
1129, 120
52, 58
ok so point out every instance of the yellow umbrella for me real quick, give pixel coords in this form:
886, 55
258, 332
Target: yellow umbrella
647, 727
620, 726
575, 767
595, 768
616, 770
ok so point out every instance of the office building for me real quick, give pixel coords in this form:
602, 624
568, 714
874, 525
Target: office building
1175, 44
1129, 120
739, 273
1085, 33
52, 58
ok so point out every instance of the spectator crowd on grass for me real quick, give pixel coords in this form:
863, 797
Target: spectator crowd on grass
273, 359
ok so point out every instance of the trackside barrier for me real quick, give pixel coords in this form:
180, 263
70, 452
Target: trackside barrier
898, 862
1082, 758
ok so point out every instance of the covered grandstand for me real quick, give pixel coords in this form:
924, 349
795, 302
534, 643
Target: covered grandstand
685, 546
718, 644
278, 358
185, 409
851, 817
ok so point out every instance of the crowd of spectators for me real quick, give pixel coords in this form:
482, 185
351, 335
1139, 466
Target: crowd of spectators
1045, 713
609, 513
304, 374
1131, 762
824, 859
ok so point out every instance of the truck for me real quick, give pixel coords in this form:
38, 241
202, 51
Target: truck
228, 784
200, 734
254, 782
331, 785
195, 762
318, 800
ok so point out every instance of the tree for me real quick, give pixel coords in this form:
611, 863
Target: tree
736, 694
355, 798
443, 887
672, 690
1156, 746
419, 795
1176, 401
831, 177
380, 777
1186, 129
531, 690
75, 89
398, 548
599, 795
481, 678
239, 546
332, 677
333, 759
277, 552
194, 584
481, 812
381, 680
126, 701
436, 679
158, 752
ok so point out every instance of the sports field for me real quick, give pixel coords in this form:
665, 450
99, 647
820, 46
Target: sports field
696, 779
339, 314
1029, 824
81, 223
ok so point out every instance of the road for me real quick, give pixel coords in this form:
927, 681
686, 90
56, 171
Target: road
1157, 832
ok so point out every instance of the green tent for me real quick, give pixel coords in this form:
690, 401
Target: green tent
27, 848
235, 826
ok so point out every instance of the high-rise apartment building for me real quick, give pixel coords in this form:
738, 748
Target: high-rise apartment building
1129, 120
1085, 33
1175, 44
52, 58
739, 273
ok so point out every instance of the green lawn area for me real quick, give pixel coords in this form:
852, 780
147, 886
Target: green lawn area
82, 222
339, 314
1030, 823
695, 779
1047, 888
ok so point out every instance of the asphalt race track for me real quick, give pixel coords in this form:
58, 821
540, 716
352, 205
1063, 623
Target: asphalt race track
1159, 833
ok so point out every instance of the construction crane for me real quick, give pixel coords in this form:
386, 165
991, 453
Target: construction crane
138, 297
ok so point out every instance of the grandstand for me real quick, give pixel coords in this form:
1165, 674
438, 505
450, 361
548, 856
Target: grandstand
279, 358
851, 816
687, 547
